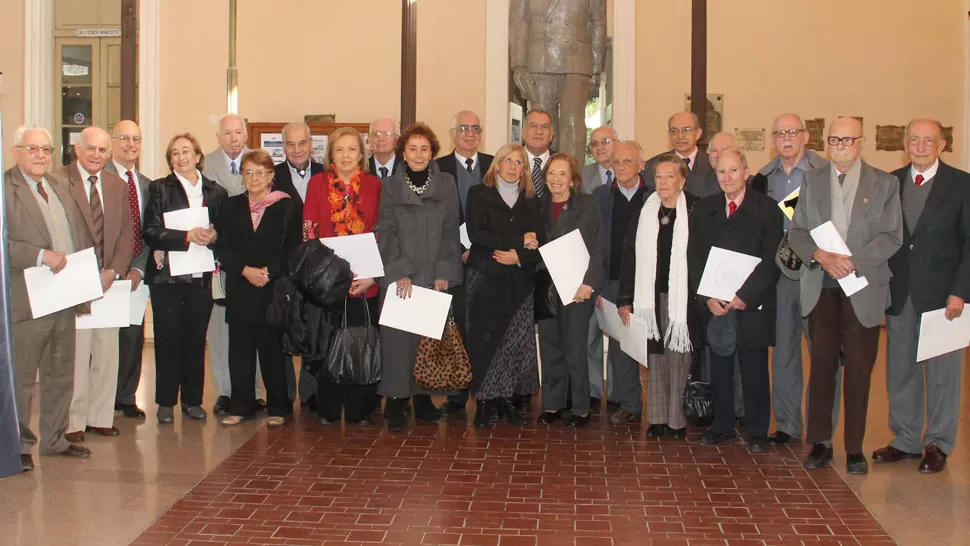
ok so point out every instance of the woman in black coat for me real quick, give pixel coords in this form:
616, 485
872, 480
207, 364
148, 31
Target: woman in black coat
505, 229
259, 228
748, 222
181, 303
563, 338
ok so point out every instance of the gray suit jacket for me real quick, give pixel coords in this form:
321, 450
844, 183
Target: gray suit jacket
27, 232
139, 262
591, 178
875, 234
217, 170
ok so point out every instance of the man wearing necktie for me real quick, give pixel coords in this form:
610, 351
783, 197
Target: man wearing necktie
382, 140
931, 271
44, 225
103, 200
863, 204
684, 131
601, 172
537, 137
126, 144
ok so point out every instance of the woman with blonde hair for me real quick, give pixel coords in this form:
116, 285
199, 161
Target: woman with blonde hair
505, 227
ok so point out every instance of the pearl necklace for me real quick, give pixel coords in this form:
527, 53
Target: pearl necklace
414, 188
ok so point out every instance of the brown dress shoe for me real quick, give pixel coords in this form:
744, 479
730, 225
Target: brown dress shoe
934, 461
104, 431
622, 417
75, 437
76, 451
889, 454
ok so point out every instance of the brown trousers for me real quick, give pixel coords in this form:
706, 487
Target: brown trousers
834, 328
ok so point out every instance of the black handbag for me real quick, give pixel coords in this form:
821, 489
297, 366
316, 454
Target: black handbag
698, 399
546, 299
354, 357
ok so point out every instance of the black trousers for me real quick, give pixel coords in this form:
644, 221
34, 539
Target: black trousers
245, 342
356, 401
754, 383
130, 343
181, 312
563, 340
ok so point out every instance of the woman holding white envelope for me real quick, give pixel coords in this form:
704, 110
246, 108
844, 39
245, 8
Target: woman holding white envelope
563, 338
653, 286
504, 223
417, 234
747, 222
344, 201
181, 304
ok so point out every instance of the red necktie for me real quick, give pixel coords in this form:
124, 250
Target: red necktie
732, 208
919, 180
135, 213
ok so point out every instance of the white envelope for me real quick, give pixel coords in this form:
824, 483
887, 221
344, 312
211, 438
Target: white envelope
197, 259
938, 336
139, 301
725, 273
360, 251
827, 237
113, 310
79, 282
567, 260
424, 313
463, 235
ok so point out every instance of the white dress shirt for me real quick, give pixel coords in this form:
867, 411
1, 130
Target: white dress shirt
462, 161
85, 175
123, 173
928, 174
692, 157
532, 159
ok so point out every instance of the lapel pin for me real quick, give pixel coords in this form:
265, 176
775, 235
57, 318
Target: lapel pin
865, 200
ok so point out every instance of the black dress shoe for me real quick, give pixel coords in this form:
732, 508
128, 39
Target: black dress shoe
758, 444
221, 406
595, 403
260, 405
424, 409
656, 431
357, 420
820, 456
493, 410
76, 451
780, 438
511, 413
522, 402
711, 438
482, 418
130, 411
578, 421
328, 420
890, 454
856, 464
678, 433
26, 462
549, 417
394, 412
451, 408
934, 461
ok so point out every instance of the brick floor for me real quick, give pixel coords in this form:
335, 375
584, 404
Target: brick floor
448, 484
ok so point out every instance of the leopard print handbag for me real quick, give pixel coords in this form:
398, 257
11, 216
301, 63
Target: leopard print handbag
443, 365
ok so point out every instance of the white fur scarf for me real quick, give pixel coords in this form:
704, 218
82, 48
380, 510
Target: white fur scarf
677, 337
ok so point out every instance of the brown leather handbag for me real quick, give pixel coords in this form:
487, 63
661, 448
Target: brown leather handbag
443, 365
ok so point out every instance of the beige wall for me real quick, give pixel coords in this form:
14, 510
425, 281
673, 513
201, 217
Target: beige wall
818, 58
12, 66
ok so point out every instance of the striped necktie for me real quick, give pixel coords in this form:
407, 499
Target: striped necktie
537, 177
97, 218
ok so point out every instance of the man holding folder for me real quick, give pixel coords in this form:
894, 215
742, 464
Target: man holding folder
44, 225
931, 271
863, 205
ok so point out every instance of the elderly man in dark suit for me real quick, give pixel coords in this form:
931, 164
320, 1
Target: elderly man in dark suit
293, 176
382, 140
684, 130
467, 165
863, 204
126, 141
931, 271
44, 225
103, 201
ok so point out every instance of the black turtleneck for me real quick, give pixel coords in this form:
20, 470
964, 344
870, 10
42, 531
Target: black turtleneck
418, 178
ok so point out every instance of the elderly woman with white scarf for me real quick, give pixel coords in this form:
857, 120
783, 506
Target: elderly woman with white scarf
654, 287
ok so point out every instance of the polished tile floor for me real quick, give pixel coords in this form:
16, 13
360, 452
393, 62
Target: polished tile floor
200, 483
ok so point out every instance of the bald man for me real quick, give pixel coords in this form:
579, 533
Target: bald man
600, 173
684, 131
102, 198
863, 204
126, 144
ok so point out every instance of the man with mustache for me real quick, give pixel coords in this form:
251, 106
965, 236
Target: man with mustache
684, 131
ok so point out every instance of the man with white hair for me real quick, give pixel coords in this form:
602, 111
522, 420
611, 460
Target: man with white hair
684, 131
600, 173
103, 201
224, 167
382, 139
44, 225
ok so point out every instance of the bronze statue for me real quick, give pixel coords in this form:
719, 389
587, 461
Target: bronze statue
557, 49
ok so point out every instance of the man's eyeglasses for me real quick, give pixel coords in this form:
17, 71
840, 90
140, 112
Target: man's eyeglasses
846, 140
675, 131
33, 150
781, 134
249, 175
473, 129
378, 134
597, 143
126, 139
512, 162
